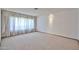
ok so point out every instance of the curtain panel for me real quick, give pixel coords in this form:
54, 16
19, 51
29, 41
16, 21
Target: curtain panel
13, 23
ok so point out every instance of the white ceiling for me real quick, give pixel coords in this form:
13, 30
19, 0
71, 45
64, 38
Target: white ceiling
40, 11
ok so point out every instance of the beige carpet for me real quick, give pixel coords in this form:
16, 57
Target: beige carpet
38, 41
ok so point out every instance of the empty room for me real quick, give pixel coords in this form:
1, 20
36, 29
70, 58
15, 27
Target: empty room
39, 29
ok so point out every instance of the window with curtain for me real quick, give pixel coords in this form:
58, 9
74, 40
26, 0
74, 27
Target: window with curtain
15, 23
20, 24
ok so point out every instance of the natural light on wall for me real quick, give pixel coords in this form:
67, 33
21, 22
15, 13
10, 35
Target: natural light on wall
50, 22
51, 18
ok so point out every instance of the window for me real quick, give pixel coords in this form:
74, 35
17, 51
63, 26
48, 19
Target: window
16, 23
20, 24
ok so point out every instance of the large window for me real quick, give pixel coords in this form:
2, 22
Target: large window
20, 24
15, 23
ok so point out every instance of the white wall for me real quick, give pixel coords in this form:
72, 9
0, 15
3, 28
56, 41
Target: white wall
78, 23
64, 23
0, 25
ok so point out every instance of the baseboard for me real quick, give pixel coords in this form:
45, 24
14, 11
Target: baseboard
60, 36
15, 35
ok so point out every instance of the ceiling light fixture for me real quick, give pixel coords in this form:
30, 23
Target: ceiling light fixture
36, 8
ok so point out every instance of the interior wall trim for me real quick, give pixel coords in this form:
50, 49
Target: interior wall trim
60, 36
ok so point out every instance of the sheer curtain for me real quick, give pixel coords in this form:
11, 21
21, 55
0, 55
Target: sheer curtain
15, 23
20, 24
